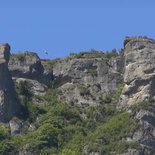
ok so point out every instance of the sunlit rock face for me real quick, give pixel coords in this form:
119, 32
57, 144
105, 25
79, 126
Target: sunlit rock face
138, 94
139, 71
82, 81
28, 65
8, 102
87, 81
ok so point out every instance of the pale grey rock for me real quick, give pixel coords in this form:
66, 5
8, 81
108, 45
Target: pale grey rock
28, 149
36, 88
132, 152
31, 127
142, 151
85, 81
139, 79
82, 81
139, 71
146, 132
28, 65
94, 153
15, 126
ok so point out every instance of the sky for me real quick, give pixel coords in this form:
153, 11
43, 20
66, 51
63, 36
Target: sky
61, 27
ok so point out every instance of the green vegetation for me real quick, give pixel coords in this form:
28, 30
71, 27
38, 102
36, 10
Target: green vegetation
24, 89
4, 132
62, 129
95, 54
19, 56
51, 62
145, 105
108, 98
118, 93
110, 134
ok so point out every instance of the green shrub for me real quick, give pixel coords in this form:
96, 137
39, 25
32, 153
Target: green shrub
107, 99
19, 56
4, 132
25, 89
112, 132
52, 96
118, 92
145, 105
74, 151
63, 129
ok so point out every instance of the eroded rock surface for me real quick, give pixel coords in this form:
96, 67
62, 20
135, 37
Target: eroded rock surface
28, 65
87, 81
83, 81
139, 74
138, 94
8, 102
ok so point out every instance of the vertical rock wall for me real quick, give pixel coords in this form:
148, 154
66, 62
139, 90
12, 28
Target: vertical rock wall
8, 102
139, 75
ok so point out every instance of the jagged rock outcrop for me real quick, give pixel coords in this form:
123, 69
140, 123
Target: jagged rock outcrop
28, 65
138, 94
15, 125
88, 81
82, 81
35, 89
139, 71
8, 102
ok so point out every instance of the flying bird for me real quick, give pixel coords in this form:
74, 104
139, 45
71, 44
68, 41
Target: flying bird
46, 52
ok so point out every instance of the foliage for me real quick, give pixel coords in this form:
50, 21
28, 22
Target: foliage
145, 105
4, 132
19, 56
63, 129
25, 89
107, 99
95, 54
112, 132
118, 92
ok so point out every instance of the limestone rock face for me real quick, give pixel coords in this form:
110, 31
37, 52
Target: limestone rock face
24, 63
8, 102
84, 81
139, 71
28, 65
87, 81
139, 92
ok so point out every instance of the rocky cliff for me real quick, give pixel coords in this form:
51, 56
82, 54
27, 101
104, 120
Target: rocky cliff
139, 71
8, 102
82, 81
138, 94
105, 101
